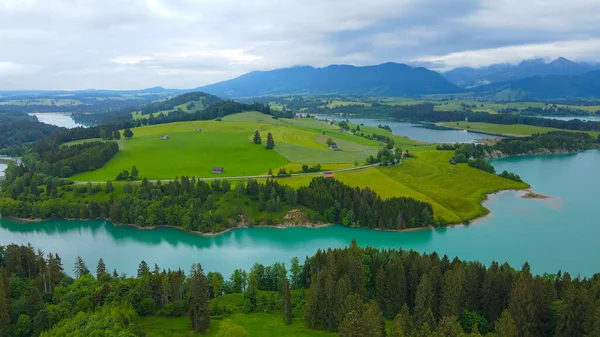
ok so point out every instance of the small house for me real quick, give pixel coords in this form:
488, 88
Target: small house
165, 137
334, 147
198, 130
217, 170
328, 174
341, 129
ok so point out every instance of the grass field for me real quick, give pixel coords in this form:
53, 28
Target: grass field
454, 191
254, 324
506, 129
229, 144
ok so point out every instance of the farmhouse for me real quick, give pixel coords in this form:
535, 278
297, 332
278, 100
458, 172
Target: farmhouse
217, 170
165, 137
328, 174
334, 147
198, 130
341, 129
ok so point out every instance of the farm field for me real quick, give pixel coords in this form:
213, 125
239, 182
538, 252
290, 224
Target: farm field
228, 144
506, 129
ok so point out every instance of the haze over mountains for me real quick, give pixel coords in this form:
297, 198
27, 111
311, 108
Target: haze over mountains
530, 79
470, 77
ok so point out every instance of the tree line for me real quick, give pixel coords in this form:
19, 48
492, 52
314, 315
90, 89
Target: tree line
200, 206
426, 112
350, 290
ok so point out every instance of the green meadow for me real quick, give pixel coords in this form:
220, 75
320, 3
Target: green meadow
454, 191
518, 130
228, 144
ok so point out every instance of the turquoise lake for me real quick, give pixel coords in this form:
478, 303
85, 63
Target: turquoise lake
556, 233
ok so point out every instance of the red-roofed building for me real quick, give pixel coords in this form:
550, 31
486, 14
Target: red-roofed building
328, 174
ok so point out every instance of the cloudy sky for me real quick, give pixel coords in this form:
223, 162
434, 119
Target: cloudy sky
118, 44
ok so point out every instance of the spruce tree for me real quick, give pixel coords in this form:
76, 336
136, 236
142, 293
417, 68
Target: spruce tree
100, 269
80, 267
199, 297
287, 305
423, 303
449, 327
270, 142
521, 305
143, 269
402, 325
573, 313
128, 133
352, 326
449, 303
5, 305
257, 139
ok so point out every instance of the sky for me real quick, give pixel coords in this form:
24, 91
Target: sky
134, 44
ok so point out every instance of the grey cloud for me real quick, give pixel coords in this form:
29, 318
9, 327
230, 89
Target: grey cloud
66, 44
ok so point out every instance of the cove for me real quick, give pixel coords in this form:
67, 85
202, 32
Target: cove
552, 234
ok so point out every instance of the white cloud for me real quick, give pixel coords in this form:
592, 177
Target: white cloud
131, 59
582, 50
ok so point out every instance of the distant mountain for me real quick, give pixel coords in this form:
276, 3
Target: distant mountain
586, 86
470, 77
388, 79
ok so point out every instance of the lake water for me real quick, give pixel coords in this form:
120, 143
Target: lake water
62, 119
2, 168
568, 118
552, 234
418, 131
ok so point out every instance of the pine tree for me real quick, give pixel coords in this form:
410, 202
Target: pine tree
80, 268
109, 187
199, 297
134, 173
373, 320
270, 142
100, 269
423, 303
257, 139
296, 271
506, 326
287, 305
128, 133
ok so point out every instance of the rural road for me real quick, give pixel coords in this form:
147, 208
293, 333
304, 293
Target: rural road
255, 177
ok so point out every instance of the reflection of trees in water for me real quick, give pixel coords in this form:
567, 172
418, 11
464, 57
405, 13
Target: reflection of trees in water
275, 238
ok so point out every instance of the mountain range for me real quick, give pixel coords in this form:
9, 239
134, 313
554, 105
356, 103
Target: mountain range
388, 79
471, 77
530, 79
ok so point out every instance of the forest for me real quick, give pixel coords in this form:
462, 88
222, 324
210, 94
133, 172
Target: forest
354, 291
17, 128
200, 206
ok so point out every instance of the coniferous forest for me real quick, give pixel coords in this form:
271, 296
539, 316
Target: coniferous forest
353, 291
